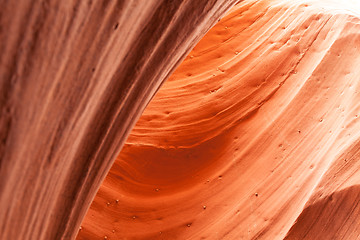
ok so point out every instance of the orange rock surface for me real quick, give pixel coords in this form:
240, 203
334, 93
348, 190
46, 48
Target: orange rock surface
255, 135
74, 78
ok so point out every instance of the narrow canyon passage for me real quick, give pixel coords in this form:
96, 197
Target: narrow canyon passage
180, 120
254, 136
74, 78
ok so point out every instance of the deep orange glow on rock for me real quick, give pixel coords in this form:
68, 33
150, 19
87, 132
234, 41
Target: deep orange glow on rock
117, 122
248, 135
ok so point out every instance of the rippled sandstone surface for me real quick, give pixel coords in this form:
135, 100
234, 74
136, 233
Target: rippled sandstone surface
74, 78
254, 136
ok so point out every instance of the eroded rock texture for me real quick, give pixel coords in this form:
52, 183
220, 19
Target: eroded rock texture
254, 136
74, 77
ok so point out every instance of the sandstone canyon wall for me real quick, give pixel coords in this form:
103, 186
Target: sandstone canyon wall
74, 78
254, 136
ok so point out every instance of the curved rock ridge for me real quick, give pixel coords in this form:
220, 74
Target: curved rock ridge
74, 78
254, 136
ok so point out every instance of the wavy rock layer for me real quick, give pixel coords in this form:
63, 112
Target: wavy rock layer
74, 78
255, 135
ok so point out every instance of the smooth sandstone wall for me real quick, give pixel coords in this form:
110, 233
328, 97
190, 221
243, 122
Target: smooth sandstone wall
74, 78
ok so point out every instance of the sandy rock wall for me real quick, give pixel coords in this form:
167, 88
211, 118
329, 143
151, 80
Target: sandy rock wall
74, 78
254, 136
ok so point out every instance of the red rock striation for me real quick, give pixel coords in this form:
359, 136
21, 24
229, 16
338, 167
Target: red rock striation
254, 136
74, 78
